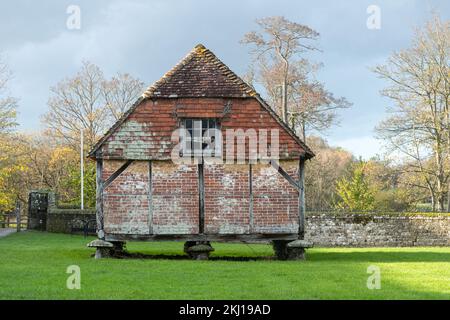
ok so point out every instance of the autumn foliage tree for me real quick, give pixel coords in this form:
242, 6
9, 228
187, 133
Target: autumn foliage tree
13, 172
8, 104
355, 192
11, 166
324, 171
89, 103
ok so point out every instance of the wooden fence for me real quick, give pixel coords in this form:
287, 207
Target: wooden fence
11, 221
14, 219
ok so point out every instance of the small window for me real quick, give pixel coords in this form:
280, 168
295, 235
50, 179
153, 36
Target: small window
199, 137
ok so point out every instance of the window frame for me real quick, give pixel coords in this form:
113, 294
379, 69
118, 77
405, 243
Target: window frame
194, 143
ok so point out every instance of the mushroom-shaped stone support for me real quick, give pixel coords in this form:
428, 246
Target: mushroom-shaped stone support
296, 249
199, 251
291, 250
103, 247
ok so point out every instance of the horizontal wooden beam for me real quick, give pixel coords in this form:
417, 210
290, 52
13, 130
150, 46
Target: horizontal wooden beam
116, 174
203, 237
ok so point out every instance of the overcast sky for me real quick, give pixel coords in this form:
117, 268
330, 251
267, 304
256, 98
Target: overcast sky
146, 38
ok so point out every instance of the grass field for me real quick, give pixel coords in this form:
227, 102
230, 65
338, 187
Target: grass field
33, 266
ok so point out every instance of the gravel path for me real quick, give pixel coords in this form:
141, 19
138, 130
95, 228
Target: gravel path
5, 231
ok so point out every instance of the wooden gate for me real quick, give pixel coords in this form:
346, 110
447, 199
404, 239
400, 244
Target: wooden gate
37, 210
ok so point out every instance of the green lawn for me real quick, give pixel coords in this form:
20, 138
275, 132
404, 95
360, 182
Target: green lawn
33, 266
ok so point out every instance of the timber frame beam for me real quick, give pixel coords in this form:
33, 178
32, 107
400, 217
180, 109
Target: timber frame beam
201, 198
301, 199
117, 173
99, 200
203, 237
300, 186
101, 186
285, 175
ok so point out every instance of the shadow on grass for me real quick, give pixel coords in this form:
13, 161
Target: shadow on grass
138, 255
380, 256
354, 256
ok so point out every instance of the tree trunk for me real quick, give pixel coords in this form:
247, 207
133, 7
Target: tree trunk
433, 202
284, 107
303, 130
284, 101
448, 198
441, 202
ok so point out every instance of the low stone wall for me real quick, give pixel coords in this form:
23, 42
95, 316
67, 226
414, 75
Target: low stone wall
60, 220
375, 230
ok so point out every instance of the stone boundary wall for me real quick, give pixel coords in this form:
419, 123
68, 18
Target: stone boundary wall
378, 230
60, 220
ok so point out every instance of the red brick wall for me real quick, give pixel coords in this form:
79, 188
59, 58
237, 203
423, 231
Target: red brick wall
175, 198
275, 201
126, 205
227, 199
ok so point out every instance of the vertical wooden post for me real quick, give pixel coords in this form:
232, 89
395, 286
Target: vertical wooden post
201, 200
150, 198
29, 212
99, 199
18, 216
301, 199
448, 198
250, 185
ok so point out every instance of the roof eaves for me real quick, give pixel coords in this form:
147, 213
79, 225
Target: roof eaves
308, 152
92, 153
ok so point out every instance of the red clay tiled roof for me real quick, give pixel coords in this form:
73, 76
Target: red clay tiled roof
200, 74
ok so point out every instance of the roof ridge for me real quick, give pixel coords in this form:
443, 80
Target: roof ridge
230, 74
203, 52
152, 88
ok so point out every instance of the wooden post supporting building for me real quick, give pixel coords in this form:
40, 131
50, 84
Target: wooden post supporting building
99, 199
301, 199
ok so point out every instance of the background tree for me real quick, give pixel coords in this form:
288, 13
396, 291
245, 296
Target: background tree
313, 107
281, 40
419, 127
354, 192
13, 172
87, 101
11, 164
384, 179
8, 104
289, 78
324, 171
120, 93
90, 102
419, 188
52, 163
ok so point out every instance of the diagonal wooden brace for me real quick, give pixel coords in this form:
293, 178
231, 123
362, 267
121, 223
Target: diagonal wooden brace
101, 186
118, 172
285, 175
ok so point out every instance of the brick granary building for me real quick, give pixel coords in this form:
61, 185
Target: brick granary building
201, 157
